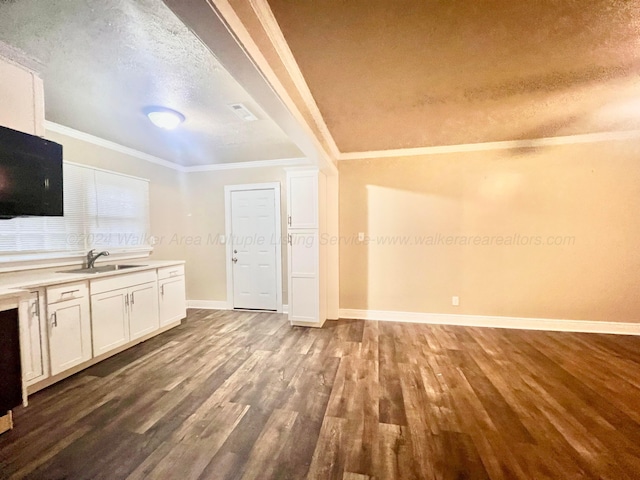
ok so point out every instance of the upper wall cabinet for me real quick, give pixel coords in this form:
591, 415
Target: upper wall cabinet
302, 198
22, 99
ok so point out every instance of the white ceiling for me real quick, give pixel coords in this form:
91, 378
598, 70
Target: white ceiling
103, 62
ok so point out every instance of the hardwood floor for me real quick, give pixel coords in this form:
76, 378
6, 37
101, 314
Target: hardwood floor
232, 395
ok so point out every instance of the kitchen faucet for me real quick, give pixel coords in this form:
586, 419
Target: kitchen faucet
91, 258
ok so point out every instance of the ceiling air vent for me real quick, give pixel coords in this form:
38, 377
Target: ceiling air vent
243, 112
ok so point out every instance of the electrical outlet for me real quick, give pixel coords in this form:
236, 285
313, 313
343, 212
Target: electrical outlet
361, 236
455, 301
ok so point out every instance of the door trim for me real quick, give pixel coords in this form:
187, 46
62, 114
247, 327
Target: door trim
275, 186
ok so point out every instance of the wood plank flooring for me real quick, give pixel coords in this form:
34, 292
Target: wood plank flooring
239, 395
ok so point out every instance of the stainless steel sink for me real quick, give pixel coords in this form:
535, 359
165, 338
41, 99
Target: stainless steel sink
101, 269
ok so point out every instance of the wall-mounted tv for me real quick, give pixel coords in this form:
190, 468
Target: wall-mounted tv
30, 176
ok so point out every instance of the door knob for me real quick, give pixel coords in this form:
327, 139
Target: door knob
234, 259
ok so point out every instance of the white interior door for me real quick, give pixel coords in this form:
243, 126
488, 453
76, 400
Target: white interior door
254, 249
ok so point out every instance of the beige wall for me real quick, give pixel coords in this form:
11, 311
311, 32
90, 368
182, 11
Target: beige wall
589, 193
187, 209
206, 219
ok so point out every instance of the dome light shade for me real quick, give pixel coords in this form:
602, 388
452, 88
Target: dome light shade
163, 117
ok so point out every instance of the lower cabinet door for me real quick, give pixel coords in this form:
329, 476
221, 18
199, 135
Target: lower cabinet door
303, 300
173, 302
69, 334
32, 321
143, 309
303, 277
110, 321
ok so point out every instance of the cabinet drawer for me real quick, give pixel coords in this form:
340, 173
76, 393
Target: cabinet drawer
168, 272
68, 291
125, 280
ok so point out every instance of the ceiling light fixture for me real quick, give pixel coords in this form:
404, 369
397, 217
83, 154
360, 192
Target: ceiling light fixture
163, 117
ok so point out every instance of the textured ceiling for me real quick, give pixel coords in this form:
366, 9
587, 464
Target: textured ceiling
413, 73
104, 61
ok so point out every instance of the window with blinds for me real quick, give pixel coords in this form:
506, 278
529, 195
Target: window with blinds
102, 209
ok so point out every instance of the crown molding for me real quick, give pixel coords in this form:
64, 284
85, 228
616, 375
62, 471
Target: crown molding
272, 28
379, 154
20, 58
116, 147
283, 162
487, 146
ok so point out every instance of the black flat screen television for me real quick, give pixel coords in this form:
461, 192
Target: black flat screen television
30, 176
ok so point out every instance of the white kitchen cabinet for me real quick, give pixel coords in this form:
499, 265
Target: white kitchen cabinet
143, 310
35, 354
69, 329
302, 198
173, 302
303, 276
123, 308
109, 320
172, 289
69, 326
22, 99
306, 254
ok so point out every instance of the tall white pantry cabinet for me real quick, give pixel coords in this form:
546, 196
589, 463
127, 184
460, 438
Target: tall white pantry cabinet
306, 224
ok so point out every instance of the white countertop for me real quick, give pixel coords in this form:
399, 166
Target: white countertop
11, 293
18, 283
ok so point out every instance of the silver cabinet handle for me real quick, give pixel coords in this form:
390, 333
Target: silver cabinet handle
54, 319
126, 300
70, 292
133, 298
289, 239
162, 289
36, 305
289, 220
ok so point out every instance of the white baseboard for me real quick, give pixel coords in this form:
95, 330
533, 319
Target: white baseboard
208, 304
522, 323
218, 305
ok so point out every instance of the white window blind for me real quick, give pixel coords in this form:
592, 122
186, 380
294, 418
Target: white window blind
118, 216
102, 209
